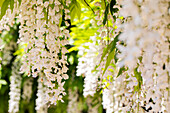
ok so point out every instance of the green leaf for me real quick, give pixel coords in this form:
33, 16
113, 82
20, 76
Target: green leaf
106, 51
100, 109
103, 4
109, 59
60, 20
75, 9
78, 10
86, 3
138, 77
106, 14
11, 5
72, 12
19, 52
73, 49
110, 47
3, 82
112, 3
19, 2
113, 10
1, 2
4, 8
121, 70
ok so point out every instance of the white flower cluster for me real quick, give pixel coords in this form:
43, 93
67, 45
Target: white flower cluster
7, 20
15, 88
5, 23
107, 99
105, 81
144, 53
108, 23
7, 52
90, 57
40, 29
146, 35
86, 65
27, 89
109, 30
126, 95
73, 104
41, 106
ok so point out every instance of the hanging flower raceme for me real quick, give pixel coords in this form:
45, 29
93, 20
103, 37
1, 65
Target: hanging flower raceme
15, 78
27, 89
86, 66
90, 57
146, 51
41, 106
74, 104
40, 29
15, 88
107, 99
8, 52
106, 19
8, 19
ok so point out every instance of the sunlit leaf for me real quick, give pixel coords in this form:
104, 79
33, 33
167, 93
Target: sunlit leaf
11, 5
19, 2
75, 9
110, 47
19, 52
112, 10
4, 8
73, 49
86, 3
1, 2
139, 78
3, 82
109, 59
103, 4
121, 70
106, 14
60, 20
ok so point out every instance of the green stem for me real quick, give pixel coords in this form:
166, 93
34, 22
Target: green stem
47, 15
107, 32
168, 85
138, 104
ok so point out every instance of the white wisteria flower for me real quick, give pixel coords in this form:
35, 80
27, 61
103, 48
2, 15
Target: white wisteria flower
15, 88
